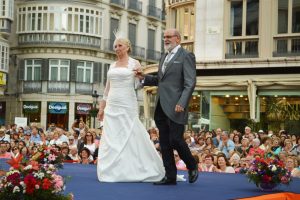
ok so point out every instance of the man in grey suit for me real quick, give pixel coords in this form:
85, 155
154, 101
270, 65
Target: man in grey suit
176, 81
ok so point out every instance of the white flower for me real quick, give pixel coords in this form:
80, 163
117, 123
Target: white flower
274, 168
37, 187
28, 167
16, 189
22, 183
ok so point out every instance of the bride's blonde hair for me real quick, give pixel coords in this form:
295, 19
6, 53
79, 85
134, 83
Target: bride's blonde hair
124, 41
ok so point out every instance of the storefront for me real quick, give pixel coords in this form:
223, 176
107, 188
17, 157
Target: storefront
82, 111
2, 113
58, 113
32, 111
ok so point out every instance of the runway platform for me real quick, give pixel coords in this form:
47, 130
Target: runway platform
209, 186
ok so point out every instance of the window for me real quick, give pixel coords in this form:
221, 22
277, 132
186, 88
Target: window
33, 70
242, 41
59, 70
287, 40
84, 72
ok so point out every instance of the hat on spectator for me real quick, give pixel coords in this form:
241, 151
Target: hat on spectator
2, 130
71, 137
260, 131
27, 132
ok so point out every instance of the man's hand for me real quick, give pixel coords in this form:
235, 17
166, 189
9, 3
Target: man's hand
178, 108
138, 72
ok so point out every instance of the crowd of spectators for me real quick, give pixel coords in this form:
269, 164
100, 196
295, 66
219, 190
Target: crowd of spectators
215, 151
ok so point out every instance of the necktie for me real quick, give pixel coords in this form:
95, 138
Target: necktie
166, 61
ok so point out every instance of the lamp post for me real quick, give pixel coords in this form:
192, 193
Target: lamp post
95, 100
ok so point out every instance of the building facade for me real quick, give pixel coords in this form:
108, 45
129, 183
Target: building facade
61, 51
248, 69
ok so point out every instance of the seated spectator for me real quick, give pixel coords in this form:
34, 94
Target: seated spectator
200, 144
85, 155
65, 153
72, 142
44, 140
291, 165
24, 152
226, 146
282, 156
255, 148
235, 162
243, 150
55, 139
266, 144
35, 136
88, 142
237, 141
223, 165
180, 165
74, 154
15, 152
288, 148
3, 150
3, 136
209, 145
207, 165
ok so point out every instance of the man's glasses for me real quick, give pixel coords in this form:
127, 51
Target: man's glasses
168, 36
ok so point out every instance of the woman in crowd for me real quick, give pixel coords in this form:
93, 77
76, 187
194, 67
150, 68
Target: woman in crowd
243, 150
237, 141
223, 165
209, 144
85, 155
208, 164
289, 148
88, 142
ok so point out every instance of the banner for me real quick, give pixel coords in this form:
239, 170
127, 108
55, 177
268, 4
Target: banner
31, 107
2, 78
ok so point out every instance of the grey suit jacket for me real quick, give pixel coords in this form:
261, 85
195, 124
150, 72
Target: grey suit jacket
176, 85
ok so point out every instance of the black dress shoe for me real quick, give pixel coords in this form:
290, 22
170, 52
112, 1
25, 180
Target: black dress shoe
166, 181
193, 175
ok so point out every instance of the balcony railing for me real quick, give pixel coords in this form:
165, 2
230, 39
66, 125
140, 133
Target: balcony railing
154, 12
108, 45
58, 87
284, 50
134, 5
118, 3
32, 86
84, 88
138, 51
61, 39
242, 49
153, 55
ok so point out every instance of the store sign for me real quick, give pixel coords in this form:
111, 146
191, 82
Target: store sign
57, 108
2, 78
31, 107
83, 108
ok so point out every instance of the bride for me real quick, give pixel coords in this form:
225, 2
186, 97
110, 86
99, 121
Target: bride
126, 153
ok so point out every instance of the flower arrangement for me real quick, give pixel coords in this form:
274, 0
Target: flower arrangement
34, 181
35, 177
48, 155
268, 173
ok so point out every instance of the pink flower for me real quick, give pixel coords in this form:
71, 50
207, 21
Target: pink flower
284, 180
51, 157
58, 182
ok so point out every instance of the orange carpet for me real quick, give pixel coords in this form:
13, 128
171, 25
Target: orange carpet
277, 196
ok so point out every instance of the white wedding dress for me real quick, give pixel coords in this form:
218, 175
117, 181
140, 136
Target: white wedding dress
126, 153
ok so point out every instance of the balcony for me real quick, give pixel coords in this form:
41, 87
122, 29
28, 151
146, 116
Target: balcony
138, 51
84, 88
118, 3
242, 49
59, 39
135, 6
58, 87
108, 45
153, 55
285, 50
154, 12
32, 86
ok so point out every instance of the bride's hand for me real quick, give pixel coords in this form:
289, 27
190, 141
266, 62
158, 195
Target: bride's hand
100, 115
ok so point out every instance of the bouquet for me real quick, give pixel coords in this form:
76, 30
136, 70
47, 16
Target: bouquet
33, 181
269, 173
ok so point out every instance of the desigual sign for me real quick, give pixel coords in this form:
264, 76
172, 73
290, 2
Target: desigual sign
57, 108
83, 108
31, 107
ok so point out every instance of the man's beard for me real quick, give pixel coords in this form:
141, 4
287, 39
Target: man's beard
169, 47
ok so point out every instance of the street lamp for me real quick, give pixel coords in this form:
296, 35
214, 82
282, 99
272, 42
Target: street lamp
95, 110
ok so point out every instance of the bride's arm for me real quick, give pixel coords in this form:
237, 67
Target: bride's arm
102, 102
